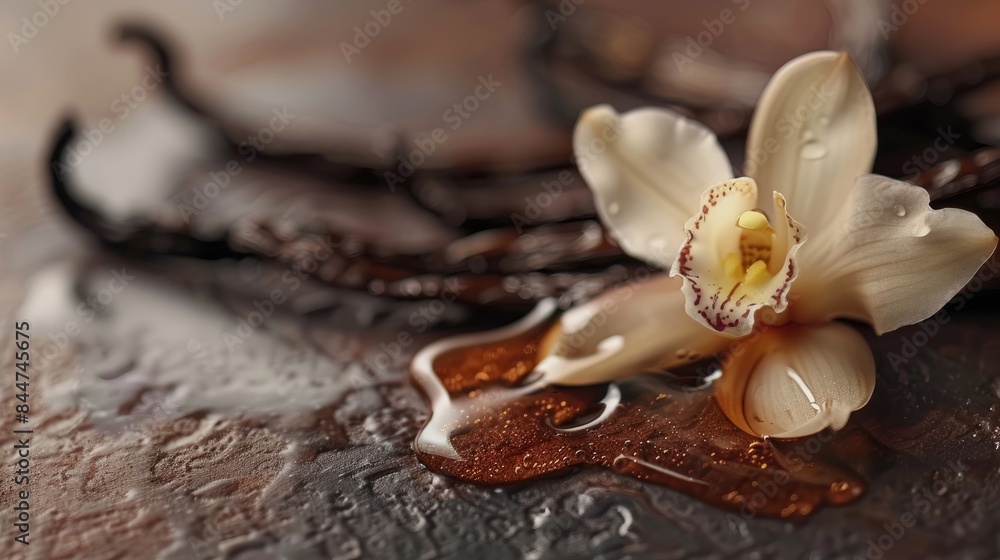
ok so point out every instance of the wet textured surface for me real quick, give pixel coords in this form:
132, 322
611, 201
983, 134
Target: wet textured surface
654, 428
167, 429
176, 424
178, 449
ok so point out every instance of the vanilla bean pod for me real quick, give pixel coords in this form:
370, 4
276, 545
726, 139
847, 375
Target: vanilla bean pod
501, 238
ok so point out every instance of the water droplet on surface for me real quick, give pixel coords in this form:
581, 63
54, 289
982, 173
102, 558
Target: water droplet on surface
813, 151
900, 210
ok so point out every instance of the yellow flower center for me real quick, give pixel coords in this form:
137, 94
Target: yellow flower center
750, 265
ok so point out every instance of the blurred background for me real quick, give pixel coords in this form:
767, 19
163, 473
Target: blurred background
237, 139
242, 59
365, 82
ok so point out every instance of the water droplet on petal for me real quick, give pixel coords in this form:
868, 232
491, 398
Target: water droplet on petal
900, 210
813, 150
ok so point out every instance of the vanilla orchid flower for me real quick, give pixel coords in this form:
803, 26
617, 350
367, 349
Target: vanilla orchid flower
763, 276
830, 242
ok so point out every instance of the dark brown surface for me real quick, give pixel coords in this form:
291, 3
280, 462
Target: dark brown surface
157, 439
308, 454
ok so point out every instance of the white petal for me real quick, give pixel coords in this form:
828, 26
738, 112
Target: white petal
647, 169
634, 327
892, 261
812, 134
714, 298
796, 380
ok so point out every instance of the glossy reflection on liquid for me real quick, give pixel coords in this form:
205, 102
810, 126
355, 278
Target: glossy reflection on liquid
492, 424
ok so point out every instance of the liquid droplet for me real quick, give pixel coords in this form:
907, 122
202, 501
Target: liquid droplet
813, 151
613, 209
900, 211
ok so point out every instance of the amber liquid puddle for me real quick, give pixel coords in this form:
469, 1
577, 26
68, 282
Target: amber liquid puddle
664, 431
